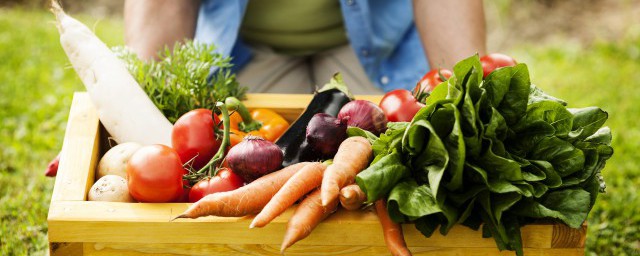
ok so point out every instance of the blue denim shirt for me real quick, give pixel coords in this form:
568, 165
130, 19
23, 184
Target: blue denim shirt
381, 32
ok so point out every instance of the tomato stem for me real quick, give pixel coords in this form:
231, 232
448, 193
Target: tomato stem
226, 123
248, 124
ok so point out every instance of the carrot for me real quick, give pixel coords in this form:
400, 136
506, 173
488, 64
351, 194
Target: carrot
306, 217
305, 180
354, 154
392, 231
123, 107
242, 201
352, 197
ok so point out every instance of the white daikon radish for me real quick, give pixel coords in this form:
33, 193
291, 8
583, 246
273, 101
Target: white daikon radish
124, 108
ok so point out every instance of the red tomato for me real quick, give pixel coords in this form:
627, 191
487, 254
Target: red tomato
432, 79
494, 61
225, 180
400, 105
184, 196
193, 136
154, 174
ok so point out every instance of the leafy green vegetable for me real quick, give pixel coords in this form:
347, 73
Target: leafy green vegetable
498, 152
181, 79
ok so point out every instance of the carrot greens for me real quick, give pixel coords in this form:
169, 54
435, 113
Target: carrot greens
181, 80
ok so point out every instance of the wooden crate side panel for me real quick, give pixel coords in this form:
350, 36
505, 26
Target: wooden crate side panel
290, 106
131, 249
150, 223
79, 152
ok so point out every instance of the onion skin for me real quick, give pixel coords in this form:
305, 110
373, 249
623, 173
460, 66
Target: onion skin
325, 133
254, 157
365, 115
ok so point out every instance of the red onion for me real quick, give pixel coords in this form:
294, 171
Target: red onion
254, 157
365, 115
325, 133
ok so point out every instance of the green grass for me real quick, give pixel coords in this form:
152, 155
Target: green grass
36, 86
37, 82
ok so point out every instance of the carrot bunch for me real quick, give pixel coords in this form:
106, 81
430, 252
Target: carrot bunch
319, 186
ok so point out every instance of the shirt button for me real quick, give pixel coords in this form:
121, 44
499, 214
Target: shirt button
364, 52
351, 2
384, 79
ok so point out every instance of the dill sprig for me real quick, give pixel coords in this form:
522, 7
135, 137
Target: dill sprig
179, 81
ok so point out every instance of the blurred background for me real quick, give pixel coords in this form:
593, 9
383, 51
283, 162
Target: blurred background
584, 51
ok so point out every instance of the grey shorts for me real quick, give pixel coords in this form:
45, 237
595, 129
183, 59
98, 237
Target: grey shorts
270, 72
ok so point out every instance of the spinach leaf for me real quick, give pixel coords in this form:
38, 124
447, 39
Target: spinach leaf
379, 178
497, 152
569, 205
355, 131
586, 121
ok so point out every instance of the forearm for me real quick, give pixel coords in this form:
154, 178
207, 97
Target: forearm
150, 25
450, 30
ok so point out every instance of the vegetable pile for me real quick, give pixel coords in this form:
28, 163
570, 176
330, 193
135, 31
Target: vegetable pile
497, 151
479, 145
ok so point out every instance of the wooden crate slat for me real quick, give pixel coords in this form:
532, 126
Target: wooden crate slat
79, 151
127, 222
131, 249
567, 237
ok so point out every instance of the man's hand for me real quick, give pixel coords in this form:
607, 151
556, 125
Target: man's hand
450, 30
150, 25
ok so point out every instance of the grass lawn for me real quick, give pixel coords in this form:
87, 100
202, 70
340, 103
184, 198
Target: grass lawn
37, 82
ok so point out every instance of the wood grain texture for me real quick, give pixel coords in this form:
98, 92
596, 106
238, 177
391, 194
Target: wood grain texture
150, 223
131, 249
79, 152
567, 237
64, 249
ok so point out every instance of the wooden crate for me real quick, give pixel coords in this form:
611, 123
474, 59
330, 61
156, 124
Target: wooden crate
80, 227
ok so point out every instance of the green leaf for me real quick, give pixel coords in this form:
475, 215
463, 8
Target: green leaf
501, 167
586, 121
494, 185
565, 158
549, 112
427, 224
445, 123
536, 95
336, 82
508, 89
413, 200
432, 162
378, 179
355, 131
389, 141
602, 136
569, 205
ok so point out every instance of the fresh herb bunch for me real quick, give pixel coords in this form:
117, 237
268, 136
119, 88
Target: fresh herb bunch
498, 152
180, 80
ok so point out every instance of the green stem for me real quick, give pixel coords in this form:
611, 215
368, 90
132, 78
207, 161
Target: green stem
225, 141
248, 124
